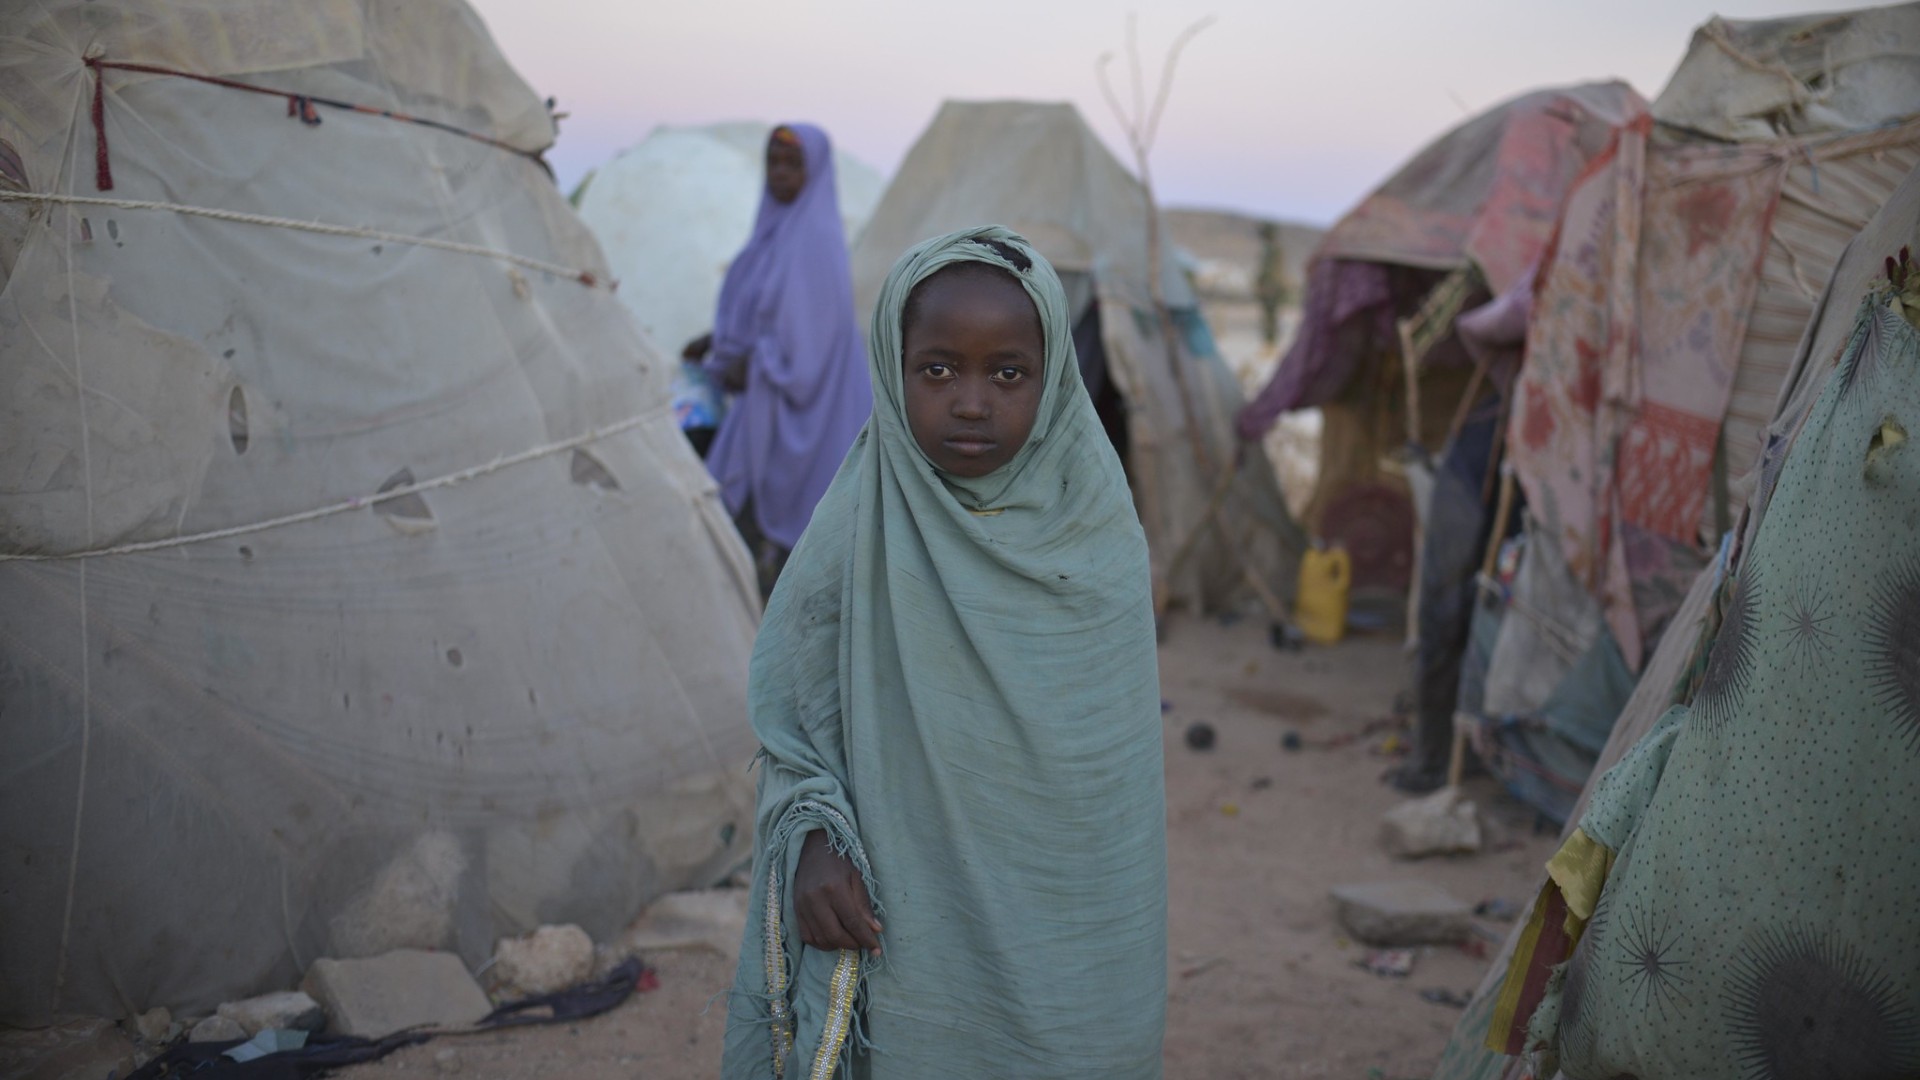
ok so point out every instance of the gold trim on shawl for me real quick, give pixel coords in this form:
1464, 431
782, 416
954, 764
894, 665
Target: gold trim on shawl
846, 980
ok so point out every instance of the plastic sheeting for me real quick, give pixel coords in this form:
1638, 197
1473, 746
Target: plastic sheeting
514, 694
1039, 170
672, 212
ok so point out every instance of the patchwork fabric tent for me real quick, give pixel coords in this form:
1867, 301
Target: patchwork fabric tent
1681, 278
672, 212
1725, 838
1468, 216
1166, 395
356, 588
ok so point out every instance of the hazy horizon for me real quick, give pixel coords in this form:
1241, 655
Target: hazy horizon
1277, 110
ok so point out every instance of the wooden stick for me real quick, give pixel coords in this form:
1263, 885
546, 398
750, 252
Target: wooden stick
1499, 522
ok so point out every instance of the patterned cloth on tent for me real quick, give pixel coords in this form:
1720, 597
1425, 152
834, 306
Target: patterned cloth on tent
1738, 894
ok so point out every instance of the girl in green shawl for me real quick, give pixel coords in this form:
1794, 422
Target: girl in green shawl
961, 858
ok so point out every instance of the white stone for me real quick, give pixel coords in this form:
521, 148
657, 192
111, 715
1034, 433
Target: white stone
379, 995
407, 905
152, 1026
549, 959
217, 1029
1443, 823
288, 1010
703, 919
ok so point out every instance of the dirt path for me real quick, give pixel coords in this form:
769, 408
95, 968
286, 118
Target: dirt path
1262, 983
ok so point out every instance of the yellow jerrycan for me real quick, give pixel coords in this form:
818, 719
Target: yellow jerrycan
1321, 607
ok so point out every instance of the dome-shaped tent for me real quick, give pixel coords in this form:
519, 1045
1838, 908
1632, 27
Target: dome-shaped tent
356, 588
1168, 399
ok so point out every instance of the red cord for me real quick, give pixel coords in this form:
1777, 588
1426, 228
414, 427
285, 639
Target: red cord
102, 169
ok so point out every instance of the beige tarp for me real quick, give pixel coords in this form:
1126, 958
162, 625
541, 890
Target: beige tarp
1765, 79
514, 695
1039, 170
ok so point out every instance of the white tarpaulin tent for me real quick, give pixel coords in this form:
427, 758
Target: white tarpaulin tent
672, 212
255, 713
1039, 170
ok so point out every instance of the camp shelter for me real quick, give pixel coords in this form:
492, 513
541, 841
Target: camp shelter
672, 212
1466, 218
1167, 398
1683, 273
1781, 904
356, 587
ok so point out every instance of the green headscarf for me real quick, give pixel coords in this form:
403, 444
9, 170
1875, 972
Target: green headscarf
957, 680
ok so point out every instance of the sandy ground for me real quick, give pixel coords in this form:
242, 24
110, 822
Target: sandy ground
1262, 982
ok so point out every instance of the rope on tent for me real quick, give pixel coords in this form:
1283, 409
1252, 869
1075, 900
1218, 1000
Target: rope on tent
357, 502
570, 273
298, 105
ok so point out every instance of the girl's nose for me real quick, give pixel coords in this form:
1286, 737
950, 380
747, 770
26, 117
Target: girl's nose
971, 404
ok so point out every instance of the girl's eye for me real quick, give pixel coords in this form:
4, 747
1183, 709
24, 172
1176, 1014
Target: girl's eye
937, 371
1009, 375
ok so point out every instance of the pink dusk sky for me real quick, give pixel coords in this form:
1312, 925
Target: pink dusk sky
1287, 109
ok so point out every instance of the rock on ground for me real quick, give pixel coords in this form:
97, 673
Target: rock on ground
1443, 823
405, 988
707, 918
289, 1010
153, 1026
217, 1029
1401, 913
549, 959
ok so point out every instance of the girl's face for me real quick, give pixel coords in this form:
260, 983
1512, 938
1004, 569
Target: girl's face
974, 359
786, 166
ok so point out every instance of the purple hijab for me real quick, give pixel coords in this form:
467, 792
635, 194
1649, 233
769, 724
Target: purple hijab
786, 313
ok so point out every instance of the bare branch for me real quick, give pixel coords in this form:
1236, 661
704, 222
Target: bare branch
1113, 100
1139, 83
1166, 76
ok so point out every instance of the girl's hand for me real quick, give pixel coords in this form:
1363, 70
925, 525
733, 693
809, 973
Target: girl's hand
830, 900
697, 349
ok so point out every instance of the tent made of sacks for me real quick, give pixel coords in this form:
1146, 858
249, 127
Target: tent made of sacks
1216, 526
357, 589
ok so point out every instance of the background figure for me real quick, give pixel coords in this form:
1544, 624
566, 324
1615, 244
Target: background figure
785, 340
1270, 288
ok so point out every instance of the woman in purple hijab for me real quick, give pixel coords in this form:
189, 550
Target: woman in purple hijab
786, 339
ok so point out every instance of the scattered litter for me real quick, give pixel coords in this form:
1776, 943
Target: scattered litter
1474, 947
1286, 638
1202, 967
1165, 706
1497, 908
1291, 741
1230, 809
269, 1041
1444, 997
1262, 783
1392, 963
1392, 746
1200, 735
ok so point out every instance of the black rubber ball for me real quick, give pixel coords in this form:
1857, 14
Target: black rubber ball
1200, 735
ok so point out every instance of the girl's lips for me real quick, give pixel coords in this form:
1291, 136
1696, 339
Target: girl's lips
970, 445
